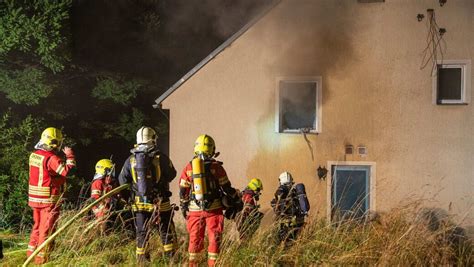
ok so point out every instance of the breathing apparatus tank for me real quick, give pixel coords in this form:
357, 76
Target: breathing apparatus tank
302, 198
141, 170
199, 179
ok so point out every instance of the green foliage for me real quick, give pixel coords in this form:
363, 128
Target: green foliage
128, 125
25, 86
35, 26
121, 92
395, 240
16, 140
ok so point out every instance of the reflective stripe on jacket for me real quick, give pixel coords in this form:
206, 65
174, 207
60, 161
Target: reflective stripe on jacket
47, 176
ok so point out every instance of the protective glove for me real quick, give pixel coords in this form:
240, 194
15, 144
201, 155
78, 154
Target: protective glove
184, 208
68, 152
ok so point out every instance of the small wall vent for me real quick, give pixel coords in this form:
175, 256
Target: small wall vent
362, 151
349, 149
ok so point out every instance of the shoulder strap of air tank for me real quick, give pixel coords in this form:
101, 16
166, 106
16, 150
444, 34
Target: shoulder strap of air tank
156, 163
132, 168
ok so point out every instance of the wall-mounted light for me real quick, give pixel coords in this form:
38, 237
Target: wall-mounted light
322, 172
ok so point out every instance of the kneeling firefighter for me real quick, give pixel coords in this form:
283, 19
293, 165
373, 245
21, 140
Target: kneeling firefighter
150, 172
291, 206
102, 183
249, 219
203, 184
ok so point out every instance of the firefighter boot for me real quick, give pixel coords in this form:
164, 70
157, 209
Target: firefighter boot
193, 259
143, 260
40, 258
211, 262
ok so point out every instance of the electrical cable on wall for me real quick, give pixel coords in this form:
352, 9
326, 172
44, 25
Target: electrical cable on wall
436, 45
304, 131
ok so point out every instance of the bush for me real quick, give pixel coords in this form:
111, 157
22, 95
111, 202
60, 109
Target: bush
16, 141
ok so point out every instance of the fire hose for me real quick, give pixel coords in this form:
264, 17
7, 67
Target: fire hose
68, 223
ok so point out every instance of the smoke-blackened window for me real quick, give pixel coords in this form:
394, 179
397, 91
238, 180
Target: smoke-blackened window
298, 105
452, 84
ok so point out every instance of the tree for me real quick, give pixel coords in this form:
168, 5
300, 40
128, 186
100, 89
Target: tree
16, 138
32, 43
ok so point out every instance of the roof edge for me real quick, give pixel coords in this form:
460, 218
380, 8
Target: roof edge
213, 54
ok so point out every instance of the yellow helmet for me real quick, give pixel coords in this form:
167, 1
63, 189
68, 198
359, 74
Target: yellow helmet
255, 184
205, 145
103, 168
52, 138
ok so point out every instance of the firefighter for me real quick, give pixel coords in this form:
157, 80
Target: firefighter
291, 206
102, 183
48, 173
150, 172
203, 183
249, 219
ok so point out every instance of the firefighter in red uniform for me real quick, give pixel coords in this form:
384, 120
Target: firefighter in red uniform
203, 183
249, 219
101, 185
47, 177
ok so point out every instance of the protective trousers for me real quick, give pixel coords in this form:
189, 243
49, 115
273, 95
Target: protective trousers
44, 224
197, 222
248, 222
166, 227
288, 232
167, 232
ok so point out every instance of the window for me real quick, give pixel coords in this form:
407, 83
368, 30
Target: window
451, 84
298, 105
351, 190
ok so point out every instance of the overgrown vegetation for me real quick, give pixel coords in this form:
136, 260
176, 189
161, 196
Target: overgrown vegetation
395, 239
119, 92
34, 27
25, 86
43, 83
16, 140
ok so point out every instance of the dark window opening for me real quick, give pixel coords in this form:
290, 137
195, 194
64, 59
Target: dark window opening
449, 85
298, 105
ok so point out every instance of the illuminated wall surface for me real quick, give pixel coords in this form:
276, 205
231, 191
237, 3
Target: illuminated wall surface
373, 94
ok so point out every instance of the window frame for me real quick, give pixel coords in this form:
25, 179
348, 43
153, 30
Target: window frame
371, 187
465, 66
318, 111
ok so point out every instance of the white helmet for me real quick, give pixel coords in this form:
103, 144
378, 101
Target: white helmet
285, 178
146, 136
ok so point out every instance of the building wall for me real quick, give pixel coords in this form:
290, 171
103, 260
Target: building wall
374, 94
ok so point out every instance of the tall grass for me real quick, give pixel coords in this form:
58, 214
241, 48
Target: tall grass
402, 237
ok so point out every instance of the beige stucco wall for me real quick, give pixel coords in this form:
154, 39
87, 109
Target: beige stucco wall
374, 94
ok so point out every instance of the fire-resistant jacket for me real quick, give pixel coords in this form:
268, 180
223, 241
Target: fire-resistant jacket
249, 200
286, 206
47, 175
159, 173
99, 188
217, 183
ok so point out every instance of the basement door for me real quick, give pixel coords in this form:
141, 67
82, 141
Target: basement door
350, 191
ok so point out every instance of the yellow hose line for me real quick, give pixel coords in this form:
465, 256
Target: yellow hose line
15, 251
82, 212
